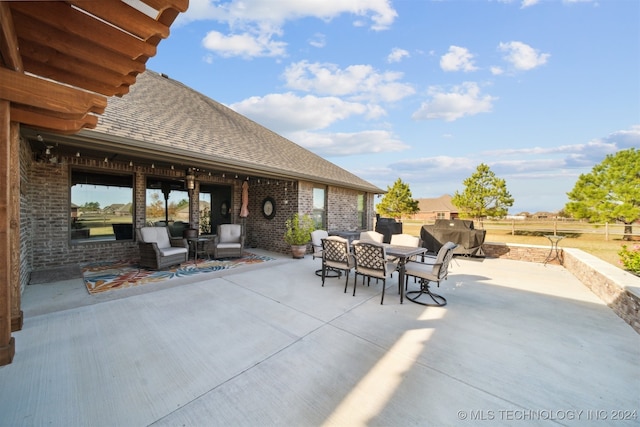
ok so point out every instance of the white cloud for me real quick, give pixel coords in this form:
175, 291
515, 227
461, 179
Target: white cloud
624, 139
285, 113
529, 3
458, 59
522, 56
347, 144
496, 71
245, 45
397, 55
460, 101
254, 24
318, 40
358, 82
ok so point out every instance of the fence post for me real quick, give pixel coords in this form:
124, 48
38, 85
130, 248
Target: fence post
513, 227
555, 227
606, 231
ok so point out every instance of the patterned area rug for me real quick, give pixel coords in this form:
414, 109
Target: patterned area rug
106, 276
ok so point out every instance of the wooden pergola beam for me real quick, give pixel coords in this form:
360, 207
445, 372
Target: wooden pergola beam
62, 101
58, 60
75, 22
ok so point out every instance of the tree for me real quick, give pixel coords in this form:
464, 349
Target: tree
397, 201
484, 195
610, 192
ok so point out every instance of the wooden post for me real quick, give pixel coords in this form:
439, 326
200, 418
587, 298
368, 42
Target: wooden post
7, 342
14, 232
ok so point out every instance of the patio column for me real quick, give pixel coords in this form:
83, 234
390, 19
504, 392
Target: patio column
7, 342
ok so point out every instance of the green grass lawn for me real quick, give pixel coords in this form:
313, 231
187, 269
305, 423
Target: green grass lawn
581, 238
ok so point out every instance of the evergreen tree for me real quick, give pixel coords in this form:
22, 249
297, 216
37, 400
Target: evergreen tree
484, 195
397, 202
610, 192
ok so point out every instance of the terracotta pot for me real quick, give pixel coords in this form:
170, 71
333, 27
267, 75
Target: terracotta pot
298, 251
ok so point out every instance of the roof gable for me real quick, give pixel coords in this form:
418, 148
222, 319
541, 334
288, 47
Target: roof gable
439, 204
165, 115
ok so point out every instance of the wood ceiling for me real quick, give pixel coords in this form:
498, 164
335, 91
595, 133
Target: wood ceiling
62, 59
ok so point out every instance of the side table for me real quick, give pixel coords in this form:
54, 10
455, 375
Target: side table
197, 242
554, 254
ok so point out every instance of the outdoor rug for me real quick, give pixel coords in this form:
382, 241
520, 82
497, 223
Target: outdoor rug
106, 276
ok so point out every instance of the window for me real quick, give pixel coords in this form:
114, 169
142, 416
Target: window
441, 215
101, 206
362, 217
319, 210
167, 202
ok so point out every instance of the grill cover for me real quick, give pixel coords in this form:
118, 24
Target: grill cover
460, 232
387, 227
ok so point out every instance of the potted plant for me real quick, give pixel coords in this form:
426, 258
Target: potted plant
298, 233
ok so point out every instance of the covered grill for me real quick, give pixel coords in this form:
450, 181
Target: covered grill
460, 232
387, 227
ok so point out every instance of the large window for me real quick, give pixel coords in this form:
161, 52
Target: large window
101, 206
319, 207
167, 204
362, 217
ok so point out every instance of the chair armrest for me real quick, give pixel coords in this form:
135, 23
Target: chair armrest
149, 247
179, 242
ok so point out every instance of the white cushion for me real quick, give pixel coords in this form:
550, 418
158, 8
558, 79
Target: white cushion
229, 233
228, 245
158, 235
172, 251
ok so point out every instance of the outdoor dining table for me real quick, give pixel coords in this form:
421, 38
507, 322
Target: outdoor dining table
403, 253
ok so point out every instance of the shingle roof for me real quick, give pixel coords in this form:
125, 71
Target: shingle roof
165, 115
439, 204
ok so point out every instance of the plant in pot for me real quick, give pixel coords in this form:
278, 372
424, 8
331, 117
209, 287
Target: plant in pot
298, 233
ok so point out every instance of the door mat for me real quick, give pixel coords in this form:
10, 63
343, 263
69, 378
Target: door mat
107, 276
56, 274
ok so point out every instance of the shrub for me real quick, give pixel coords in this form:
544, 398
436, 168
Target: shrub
298, 229
630, 258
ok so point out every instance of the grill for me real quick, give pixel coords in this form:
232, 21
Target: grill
460, 232
387, 227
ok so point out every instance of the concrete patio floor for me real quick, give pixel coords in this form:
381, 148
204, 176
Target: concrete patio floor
518, 343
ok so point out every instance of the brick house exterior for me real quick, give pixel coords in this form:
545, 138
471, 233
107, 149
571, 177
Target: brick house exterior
436, 208
158, 130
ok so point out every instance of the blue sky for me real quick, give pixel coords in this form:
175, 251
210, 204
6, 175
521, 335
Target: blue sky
425, 91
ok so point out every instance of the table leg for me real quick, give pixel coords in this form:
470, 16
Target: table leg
401, 263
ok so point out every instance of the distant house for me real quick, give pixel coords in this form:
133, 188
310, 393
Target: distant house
436, 208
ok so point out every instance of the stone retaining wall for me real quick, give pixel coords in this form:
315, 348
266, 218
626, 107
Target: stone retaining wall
619, 289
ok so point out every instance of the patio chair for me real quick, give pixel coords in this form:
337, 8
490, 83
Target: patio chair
337, 256
316, 243
405, 240
372, 261
158, 250
229, 242
370, 236
432, 270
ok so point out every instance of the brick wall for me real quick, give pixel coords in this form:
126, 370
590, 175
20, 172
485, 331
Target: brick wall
45, 207
520, 252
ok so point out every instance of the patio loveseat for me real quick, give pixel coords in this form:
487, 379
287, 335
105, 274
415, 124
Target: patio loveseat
158, 249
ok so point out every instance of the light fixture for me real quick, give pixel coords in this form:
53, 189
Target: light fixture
77, 154
106, 159
190, 180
